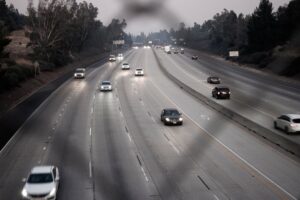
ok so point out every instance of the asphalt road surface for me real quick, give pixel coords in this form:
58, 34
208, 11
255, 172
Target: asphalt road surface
112, 145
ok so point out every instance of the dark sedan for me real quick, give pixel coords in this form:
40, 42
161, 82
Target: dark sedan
221, 92
194, 57
213, 80
171, 116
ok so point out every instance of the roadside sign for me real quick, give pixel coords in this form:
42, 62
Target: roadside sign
118, 42
233, 53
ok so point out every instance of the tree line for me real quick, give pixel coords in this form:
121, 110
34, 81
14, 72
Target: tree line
254, 35
58, 31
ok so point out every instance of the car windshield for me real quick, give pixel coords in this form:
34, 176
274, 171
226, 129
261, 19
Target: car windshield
112, 56
214, 78
172, 112
125, 64
40, 178
297, 121
80, 70
139, 69
223, 89
105, 83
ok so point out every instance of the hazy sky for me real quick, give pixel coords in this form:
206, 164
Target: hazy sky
187, 11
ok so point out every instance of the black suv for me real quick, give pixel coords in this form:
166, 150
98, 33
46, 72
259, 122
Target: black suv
213, 80
221, 92
171, 116
194, 57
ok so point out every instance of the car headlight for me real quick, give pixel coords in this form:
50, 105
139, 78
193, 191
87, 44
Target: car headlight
24, 193
167, 119
52, 192
218, 92
180, 119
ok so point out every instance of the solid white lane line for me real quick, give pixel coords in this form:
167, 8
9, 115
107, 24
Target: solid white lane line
230, 150
90, 169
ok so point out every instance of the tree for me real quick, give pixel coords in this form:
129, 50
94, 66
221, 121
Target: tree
261, 28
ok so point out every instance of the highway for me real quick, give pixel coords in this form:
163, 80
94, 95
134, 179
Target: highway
112, 145
255, 95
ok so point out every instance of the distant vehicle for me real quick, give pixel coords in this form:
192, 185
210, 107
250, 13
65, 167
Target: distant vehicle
139, 72
182, 50
125, 66
135, 47
120, 56
171, 116
79, 73
105, 86
112, 58
168, 49
290, 123
194, 57
176, 51
221, 92
42, 183
213, 80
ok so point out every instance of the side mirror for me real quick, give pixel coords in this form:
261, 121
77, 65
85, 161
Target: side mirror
57, 179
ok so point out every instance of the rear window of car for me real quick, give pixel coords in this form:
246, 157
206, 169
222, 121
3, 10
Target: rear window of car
80, 70
40, 178
297, 121
224, 89
105, 83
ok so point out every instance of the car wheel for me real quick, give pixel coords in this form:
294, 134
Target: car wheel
286, 130
275, 125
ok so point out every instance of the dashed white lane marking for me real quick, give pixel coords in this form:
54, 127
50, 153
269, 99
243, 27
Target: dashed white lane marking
230, 150
130, 139
90, 169
44, 148
90, 131
92, 110
216, 197
145, 175
174, 147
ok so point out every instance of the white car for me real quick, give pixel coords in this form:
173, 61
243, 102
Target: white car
290, 123
42, 183
112, 58
139, 72
105, 86
125, 66
79, 73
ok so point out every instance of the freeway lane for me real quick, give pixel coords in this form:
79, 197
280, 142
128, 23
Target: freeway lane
254, 99
113, 146
258, 156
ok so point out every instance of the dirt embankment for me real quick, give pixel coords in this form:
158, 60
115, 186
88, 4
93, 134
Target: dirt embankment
19, 52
